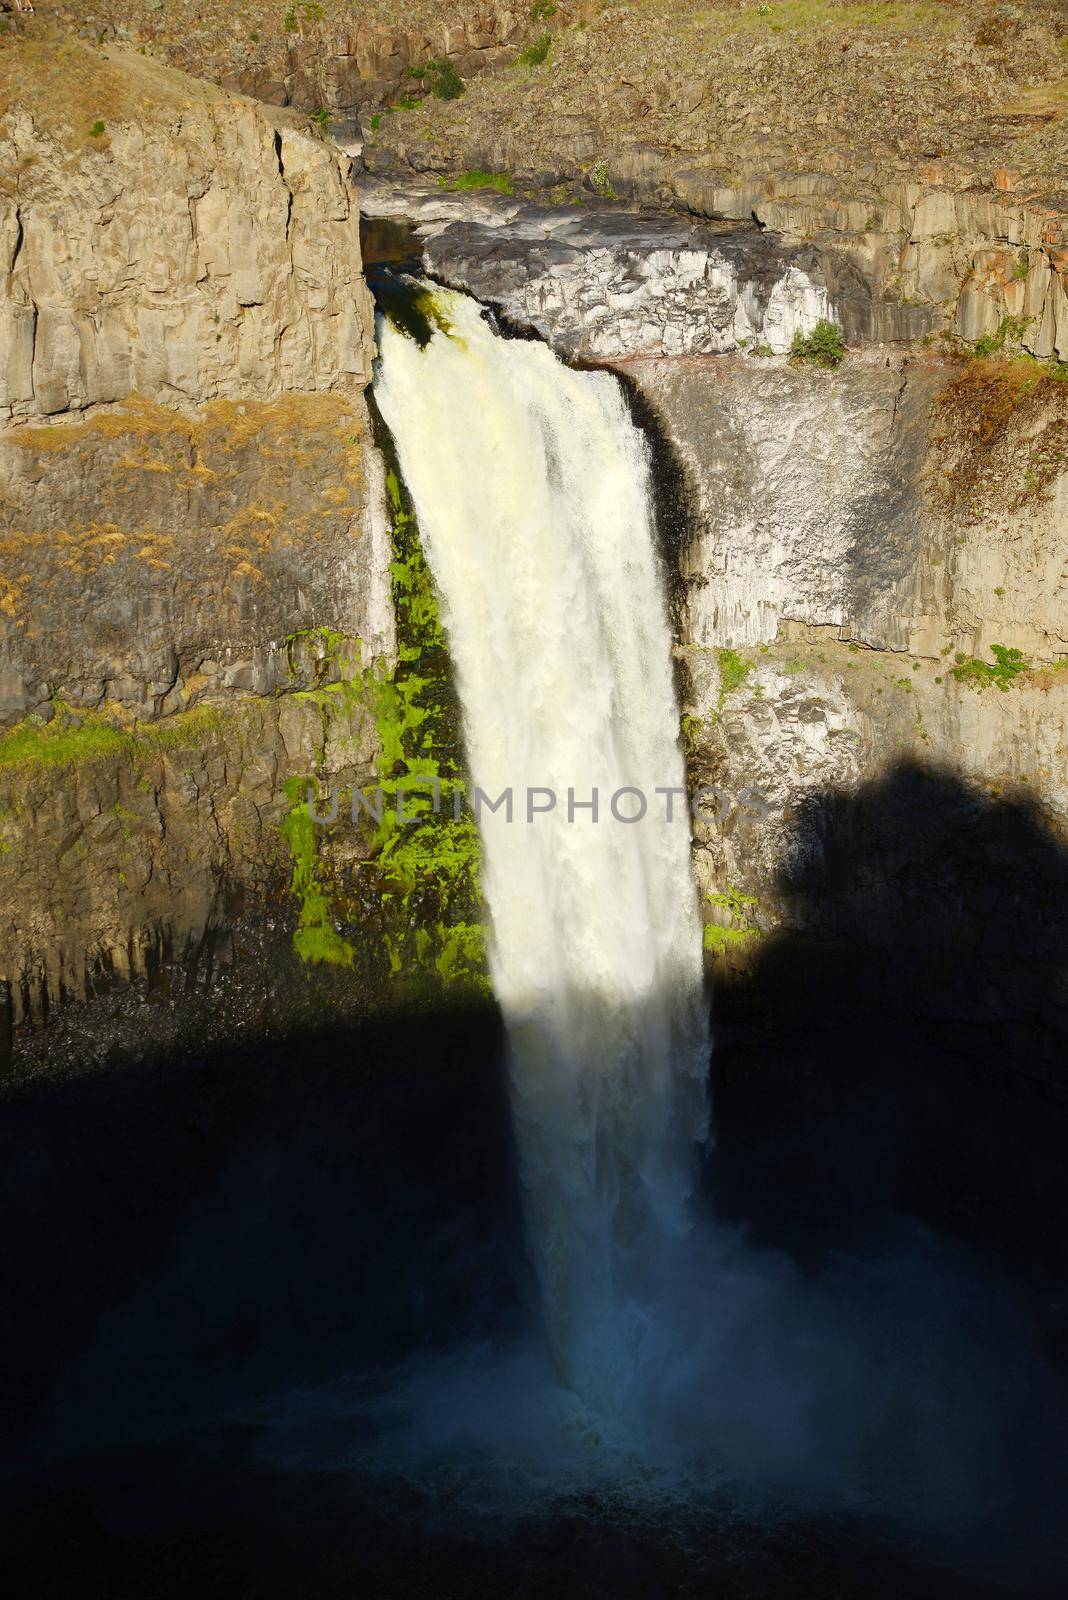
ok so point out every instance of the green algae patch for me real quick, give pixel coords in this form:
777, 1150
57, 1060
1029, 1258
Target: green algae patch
428, 865
411, 307
43, 744
721, 938
733, 671
72, 739
479, 178
342, 654
315, 940
717, 940
422, 876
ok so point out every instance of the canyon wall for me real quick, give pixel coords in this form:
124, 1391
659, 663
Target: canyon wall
182, 245
873, 627
343, 59
192, 534
869, 566
197, 607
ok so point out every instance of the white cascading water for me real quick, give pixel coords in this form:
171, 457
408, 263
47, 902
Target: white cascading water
533, 494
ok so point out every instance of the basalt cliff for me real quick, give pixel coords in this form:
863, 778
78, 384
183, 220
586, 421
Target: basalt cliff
191, 523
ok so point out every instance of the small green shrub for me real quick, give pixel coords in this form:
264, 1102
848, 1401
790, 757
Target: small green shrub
96, 131
310, 11
445, 82
1010, 330
822, 347
733, 671
478, 179
537, 53
440, 78
376, 122
542, 10
320, 120
1007, 666
601, 182
1019, 272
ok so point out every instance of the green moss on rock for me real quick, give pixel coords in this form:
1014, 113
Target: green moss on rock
428, 868
733, 671
718, 938
75, 738
315, 940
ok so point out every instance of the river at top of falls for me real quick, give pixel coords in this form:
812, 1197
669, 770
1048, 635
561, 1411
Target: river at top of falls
533, 494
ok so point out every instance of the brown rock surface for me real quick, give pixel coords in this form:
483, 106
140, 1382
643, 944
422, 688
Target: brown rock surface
325, 55
206, 543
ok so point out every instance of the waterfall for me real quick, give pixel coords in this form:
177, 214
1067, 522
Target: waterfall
533, 494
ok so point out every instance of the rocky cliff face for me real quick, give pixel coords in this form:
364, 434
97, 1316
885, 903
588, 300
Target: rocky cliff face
599, 284
120, 853
190, 248
907, 506
153, 560
871, 597
319, 56
925, 144
884, 848
192, 534
195, 604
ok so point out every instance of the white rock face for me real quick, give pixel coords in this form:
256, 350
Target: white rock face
796, 304
812, 719
608, 284
687, 302
813, 501
782, 735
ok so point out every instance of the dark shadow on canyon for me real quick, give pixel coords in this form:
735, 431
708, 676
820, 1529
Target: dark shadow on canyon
243, 1213
902, 1044
674, 499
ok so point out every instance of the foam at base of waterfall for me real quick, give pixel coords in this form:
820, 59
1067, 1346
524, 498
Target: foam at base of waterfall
763, 1395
